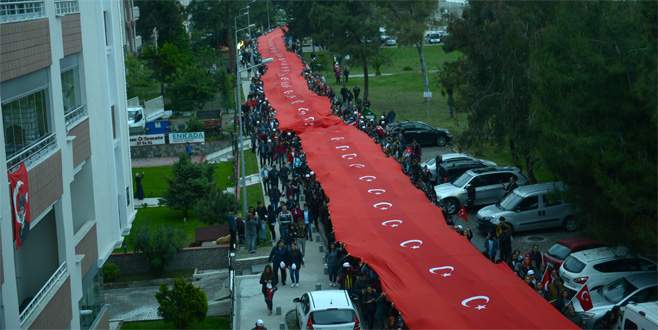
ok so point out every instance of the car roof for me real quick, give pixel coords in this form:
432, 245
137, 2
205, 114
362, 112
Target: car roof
642, 280
648, 309
531, 189
325, 299
601, 253
493, 169
579, 243
452, 155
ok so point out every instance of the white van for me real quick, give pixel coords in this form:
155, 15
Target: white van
639, 316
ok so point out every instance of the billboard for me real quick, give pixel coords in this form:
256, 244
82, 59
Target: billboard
147, 140
187, 137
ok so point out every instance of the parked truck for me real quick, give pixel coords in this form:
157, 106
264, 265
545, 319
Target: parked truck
152, 114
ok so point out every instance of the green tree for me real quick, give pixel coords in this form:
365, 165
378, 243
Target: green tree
190, 88
348, 28
183, 304
408, 21
166, 16
139, 79
158, 245
188, 184
215, 206
495, 87
594, 69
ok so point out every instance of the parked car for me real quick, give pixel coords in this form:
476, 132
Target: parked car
630, 289
326, 309
433, 38
424, 134
455, 164
562, 248
639, 316
488, 183
600, 266
535, 206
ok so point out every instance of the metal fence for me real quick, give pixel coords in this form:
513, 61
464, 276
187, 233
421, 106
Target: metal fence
43, 293
16, 11
66, 7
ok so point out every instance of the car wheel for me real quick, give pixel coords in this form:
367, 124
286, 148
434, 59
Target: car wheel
451, 205
441, 140
570, 224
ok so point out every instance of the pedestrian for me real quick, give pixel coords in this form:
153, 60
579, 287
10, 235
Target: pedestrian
275, 196
369, 306
264, 179
536, 258
491, 247
284, 171
296, 263
346, 73
308, 223
188, 149
504, 235
261, 213
232, 229
511, 185
356, 91
285, 221
259, 324
298, 235
337, 73
139, 194
279, 257
269, 296
267, 279
272, 212
251, 231
331, 262
470, 196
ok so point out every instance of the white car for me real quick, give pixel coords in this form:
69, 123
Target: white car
453, 157
600, 266
633, 289
327, 309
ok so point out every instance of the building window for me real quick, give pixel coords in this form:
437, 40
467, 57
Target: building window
26, 121
114, 122
106, 21
71, 89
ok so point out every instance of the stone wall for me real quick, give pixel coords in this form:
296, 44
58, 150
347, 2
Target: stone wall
174, 150
188, 258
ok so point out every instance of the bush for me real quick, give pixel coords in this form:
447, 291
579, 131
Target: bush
158, 245
110, 272
194, 125
183, 305
407, 68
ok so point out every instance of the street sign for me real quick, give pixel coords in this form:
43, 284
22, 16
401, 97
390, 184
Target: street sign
427, 94
147, 140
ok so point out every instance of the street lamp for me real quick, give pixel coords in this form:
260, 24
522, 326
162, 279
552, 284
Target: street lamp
238, 86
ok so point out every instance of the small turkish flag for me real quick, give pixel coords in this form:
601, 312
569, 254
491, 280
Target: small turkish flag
463, 214
584, 298
546, 278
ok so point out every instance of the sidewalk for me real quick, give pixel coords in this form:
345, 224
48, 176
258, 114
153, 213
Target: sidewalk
163, 161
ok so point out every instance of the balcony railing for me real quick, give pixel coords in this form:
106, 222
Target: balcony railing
66, 7
75, 116
33, 152
21, 10
45, 291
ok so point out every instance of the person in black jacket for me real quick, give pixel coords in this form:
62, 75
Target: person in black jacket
296, 263
280, 259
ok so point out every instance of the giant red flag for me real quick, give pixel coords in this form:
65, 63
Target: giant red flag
19, 191
435, 277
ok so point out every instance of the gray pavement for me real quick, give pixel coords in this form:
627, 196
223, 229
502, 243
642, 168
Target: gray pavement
162, 161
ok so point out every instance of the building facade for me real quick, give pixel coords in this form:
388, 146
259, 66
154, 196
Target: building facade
63, 105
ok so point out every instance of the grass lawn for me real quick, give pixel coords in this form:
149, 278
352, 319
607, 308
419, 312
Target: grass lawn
153, 217
211, 322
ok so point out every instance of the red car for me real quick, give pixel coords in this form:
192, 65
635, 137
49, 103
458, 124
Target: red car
564, 247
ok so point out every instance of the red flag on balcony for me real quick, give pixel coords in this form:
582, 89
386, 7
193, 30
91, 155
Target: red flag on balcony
19, 191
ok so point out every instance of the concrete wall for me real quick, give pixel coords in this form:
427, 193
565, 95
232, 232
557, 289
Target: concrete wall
88, 246
174, 150
71, 37
45, 184
57, 314
189, 258
24, 48
81, 144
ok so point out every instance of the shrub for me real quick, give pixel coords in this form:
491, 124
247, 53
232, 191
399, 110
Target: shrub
183, 304
407, 68
110, 272
158, 245
188, 184
213, 207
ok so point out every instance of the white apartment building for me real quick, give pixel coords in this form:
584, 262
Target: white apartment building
63, 105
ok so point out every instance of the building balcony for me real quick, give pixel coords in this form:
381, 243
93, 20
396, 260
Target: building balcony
30, 312
75, 116
31, 154
66, 7
21, 10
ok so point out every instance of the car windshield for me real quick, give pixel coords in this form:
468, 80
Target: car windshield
510, 202
617, 290
333, 316
573, 265
462, 180
559, 251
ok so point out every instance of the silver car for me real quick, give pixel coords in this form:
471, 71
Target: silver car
488, 183
535, 206
453, 157
632, 289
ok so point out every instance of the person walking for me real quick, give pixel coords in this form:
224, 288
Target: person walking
251, 231
369, 306
346, 73
264, 178
298, 235
260, 325
279, 257
504, 235
233, 230
331, 262
285, 221
272, 213
267, 283
491, 247
308, 224
261, 213
296, 263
